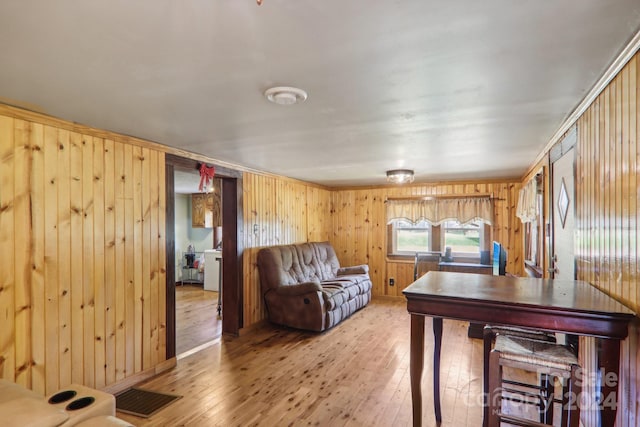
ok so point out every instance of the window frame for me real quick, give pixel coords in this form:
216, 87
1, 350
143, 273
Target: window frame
394, 239
481, 243
533, 265
436, 243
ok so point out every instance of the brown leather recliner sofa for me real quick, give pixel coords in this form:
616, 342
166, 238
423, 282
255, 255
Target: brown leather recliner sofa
304, 287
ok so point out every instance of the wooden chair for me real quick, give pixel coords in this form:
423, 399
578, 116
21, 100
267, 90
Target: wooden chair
536, 392
538, 356
425, 262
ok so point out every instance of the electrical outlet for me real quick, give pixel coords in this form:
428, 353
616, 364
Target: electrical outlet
392, 281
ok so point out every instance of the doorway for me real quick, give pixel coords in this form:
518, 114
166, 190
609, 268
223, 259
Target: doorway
563, 208
198, 225
231, 286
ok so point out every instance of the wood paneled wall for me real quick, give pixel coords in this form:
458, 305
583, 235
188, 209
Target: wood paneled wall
82, 271
607, 175
607, 206
277, 211
359, 227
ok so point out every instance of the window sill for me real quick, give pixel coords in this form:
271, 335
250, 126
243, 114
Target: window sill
470, 259
408, 259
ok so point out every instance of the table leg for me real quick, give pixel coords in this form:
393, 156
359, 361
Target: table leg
416, 365
437, 341
609, 363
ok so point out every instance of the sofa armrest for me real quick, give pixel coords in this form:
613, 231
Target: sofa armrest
356, 269
299, 289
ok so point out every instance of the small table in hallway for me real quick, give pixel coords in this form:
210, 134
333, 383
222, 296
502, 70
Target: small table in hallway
565, 306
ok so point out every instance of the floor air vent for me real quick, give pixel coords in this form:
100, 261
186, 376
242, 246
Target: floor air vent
143, 403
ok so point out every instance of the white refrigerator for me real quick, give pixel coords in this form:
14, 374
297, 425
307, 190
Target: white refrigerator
212, 269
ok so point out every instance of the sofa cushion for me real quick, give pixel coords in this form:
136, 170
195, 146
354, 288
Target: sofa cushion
352, 285
308, 263
334, 296
279, 267
27, 411
356, 269
326, 260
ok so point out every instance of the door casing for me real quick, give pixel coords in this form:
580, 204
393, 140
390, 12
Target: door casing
232, 237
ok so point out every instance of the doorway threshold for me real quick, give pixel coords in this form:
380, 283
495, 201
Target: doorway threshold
198, 348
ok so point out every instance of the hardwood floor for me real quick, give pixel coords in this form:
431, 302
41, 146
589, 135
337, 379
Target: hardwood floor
356, 374
197, 319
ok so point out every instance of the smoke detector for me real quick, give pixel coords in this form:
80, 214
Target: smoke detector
284, 95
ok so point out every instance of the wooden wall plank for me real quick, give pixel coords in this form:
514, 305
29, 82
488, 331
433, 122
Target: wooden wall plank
22, 250
629, 182
38, 305
636, 184
77, 256
7, 248
138, 254
616, 284
624, 190
611, 189
377, 249
162, 256
88, 305
131, 264
51, 262
109, 311
145, 257
120, 278
99, 262
64, 258
154, 284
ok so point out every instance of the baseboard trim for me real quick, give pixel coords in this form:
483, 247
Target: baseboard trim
388, 298
258, 325
140, 377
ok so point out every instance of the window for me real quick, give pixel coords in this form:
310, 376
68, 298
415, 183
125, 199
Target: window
408, 238
533, 240
463, 238
463, 223
530, 211
467, 241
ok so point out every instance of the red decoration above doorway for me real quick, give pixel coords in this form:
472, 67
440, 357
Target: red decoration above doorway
206, 175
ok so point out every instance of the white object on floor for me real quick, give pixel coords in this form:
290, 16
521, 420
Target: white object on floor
212, 269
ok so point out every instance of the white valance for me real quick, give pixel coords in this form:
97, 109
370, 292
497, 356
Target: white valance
527, 209
437, 210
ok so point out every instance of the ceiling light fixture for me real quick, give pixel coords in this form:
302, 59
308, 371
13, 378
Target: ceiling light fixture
284, 95
400, 176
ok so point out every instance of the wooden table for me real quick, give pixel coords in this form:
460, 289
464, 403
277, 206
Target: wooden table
475, 330
553, 305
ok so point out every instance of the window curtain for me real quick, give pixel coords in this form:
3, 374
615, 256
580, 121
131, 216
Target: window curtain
527, 209
436, 211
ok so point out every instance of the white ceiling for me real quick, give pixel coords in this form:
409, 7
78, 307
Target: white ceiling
462, 89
